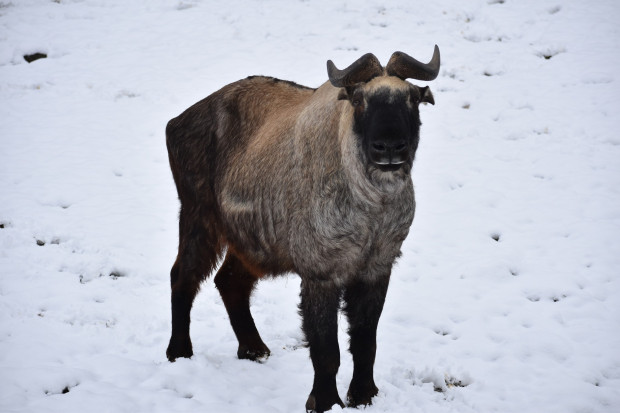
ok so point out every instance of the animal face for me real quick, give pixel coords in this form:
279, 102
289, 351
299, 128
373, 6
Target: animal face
387, 122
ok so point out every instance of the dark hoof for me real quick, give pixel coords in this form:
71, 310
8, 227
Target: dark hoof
359, 395
179, 348
319, 405
258, 353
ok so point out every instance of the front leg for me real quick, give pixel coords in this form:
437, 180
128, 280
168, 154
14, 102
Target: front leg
363, 307
320, 301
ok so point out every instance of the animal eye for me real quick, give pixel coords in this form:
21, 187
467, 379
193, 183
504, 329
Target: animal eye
356, 102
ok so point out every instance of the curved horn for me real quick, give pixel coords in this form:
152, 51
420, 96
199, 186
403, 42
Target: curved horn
362, 70
404, 66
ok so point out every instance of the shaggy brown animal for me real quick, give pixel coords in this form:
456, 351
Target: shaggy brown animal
283, 178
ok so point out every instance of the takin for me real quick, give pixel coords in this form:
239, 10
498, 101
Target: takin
283, 178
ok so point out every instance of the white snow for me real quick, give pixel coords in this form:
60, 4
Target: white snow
506, 299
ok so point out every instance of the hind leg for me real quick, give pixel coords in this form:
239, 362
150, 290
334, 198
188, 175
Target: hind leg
198, 253
235, 284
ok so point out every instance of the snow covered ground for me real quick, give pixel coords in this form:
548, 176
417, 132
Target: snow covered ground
506, 299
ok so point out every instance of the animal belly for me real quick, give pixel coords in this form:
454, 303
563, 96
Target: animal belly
251, 231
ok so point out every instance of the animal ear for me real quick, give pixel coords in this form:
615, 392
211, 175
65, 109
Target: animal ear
346, 93
422, 95
426, 95
354, 95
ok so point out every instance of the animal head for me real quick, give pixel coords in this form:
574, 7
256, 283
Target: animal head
386, 120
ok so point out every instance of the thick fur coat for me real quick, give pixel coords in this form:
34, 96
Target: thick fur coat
283, 178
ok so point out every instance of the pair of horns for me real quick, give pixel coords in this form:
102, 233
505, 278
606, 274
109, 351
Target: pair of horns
368, 66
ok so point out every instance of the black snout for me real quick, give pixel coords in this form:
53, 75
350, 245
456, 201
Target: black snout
388, 152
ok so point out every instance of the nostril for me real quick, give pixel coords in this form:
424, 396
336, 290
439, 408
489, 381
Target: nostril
400, 147
379, 147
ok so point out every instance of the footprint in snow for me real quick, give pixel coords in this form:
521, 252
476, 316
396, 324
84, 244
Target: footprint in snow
550, 52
